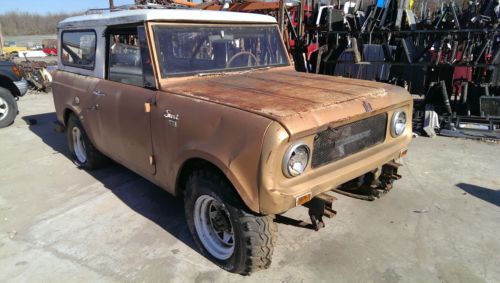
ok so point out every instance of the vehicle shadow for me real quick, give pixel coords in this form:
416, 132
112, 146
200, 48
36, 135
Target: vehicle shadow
285, 220
136, 192
41, 125
489, 195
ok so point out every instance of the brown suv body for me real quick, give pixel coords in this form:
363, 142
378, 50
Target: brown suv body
206, 106
241, 123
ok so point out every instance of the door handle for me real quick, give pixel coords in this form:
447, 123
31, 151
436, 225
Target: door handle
98, 93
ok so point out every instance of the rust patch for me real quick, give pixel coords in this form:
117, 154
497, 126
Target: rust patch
298, 101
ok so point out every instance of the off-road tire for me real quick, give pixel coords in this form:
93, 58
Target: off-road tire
11, 104
95, 159
255, 235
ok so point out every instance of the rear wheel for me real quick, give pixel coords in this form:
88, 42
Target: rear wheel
8, 108
82, 151
223, 229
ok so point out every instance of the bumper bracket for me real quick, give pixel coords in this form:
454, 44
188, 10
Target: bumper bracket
320, 206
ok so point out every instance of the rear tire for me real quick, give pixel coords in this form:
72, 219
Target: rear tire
83, 153
8, 108
223, 229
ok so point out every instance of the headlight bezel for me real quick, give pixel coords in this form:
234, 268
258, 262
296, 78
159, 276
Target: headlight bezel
288, 155
395, 117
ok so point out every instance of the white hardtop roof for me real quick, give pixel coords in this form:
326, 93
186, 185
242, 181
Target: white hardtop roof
171, 15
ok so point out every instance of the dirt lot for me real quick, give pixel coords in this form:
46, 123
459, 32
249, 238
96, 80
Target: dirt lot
57, 223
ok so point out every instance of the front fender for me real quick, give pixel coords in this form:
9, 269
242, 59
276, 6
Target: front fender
227, 137
247, 193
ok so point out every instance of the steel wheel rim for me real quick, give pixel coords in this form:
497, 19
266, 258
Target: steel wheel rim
4, 108
78, 145
217, 239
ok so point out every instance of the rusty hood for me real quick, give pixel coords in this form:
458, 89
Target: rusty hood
300, 102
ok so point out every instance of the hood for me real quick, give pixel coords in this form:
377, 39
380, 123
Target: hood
300, 102
6, 63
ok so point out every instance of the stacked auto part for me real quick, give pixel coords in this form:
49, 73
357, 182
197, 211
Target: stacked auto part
448, 56
35, 72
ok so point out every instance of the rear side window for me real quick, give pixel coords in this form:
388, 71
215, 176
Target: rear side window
78, 48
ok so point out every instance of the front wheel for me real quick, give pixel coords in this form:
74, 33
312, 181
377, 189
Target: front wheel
8, 108
224, 231
82, 151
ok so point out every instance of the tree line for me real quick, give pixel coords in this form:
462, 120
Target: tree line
23, 23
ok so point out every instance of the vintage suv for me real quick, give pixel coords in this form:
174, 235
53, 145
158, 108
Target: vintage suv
206, 105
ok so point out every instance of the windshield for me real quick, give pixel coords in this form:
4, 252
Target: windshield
195, 49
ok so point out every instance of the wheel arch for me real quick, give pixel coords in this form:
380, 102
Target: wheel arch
197, 163
8, 84
66, 113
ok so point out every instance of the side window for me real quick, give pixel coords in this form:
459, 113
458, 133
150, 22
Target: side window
125, 64
78, 48
129, 60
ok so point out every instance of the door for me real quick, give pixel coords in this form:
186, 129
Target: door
123, 102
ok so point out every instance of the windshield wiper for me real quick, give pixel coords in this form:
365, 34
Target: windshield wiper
208, 74
211, 74
254, 69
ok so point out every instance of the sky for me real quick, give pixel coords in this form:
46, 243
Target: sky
47, 6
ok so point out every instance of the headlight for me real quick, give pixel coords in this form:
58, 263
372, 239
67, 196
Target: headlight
295, 160
398, 124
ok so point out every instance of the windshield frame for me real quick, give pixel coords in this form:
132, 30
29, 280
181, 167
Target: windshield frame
154, 48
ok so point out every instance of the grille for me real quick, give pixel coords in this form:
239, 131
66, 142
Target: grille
336, 143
